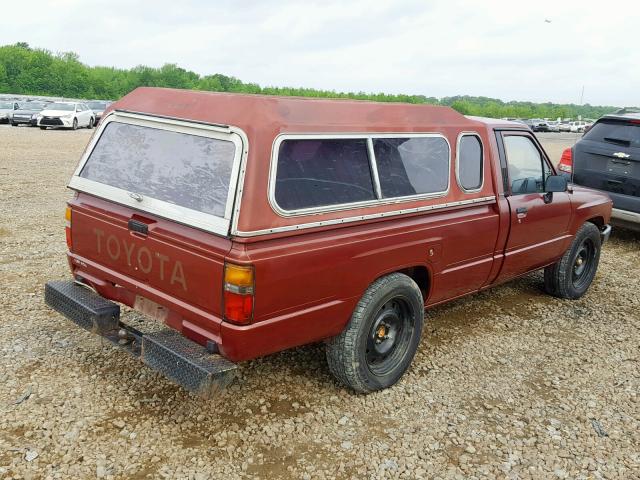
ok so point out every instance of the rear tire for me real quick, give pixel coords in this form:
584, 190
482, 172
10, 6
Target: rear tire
43, 128
379, 342
90, 126
572, 275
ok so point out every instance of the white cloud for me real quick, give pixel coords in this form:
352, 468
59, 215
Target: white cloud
438, 48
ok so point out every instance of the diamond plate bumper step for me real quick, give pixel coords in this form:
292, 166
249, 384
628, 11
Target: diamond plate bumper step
179, 359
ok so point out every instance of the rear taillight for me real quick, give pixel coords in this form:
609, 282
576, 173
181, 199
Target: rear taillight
67, 227
566, 161
238, 293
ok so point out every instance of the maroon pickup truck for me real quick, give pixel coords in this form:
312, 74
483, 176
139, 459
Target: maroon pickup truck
245, 225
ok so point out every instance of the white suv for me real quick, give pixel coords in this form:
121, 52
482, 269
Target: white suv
67, 115
578, 126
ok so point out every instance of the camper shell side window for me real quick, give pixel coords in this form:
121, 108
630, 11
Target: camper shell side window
320, 173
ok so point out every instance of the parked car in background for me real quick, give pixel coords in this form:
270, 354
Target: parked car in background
27, 114
607, 158
98, 107
245, 225
67, 115
564, 127
537, 125
588, 126
6, 110
553, 126
578, 127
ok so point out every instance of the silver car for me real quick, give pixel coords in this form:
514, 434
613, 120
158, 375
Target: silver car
6, 110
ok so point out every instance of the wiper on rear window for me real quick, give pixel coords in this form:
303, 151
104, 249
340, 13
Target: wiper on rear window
618, 141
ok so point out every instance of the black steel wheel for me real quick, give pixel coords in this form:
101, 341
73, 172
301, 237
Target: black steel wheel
381, 339
584, 265
388, 336
572, 276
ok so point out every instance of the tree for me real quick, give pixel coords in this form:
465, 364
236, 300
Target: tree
34, 71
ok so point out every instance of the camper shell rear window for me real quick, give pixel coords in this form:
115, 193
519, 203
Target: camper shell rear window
175, 169
187, 170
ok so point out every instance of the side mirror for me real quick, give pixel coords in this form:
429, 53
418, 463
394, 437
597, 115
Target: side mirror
555, 183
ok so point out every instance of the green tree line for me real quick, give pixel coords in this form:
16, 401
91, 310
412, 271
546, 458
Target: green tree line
35, 71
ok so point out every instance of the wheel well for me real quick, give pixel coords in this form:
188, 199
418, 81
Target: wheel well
420, 275
597, 221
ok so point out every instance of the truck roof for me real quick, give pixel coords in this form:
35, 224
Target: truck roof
290, 114
265, 118
499, 122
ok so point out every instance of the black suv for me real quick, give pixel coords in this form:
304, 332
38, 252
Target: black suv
608, 158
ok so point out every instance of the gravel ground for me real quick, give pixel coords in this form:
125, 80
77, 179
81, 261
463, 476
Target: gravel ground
509, 383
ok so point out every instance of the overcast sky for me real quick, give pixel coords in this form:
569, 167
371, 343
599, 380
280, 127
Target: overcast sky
502, 49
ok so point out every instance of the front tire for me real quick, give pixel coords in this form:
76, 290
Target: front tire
75, 124
379, 342
90, 126
571, 277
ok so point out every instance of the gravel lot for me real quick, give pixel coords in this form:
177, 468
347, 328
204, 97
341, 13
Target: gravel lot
508, 383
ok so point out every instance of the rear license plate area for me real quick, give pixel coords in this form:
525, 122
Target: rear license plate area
618, 167
150, 308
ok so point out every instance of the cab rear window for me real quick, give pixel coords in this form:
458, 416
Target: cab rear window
187, 170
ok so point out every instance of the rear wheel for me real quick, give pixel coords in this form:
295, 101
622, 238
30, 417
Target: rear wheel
381, 339
90, 126
43, 128
571, 277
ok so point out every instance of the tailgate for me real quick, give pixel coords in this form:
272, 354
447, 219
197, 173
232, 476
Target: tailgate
607, 167
608, 157
153, 213
179, 261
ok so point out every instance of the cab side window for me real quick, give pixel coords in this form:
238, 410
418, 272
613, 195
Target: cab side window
527, 168
469, 164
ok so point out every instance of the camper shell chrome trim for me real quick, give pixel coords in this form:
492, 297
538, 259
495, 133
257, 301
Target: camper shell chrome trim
338, 221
